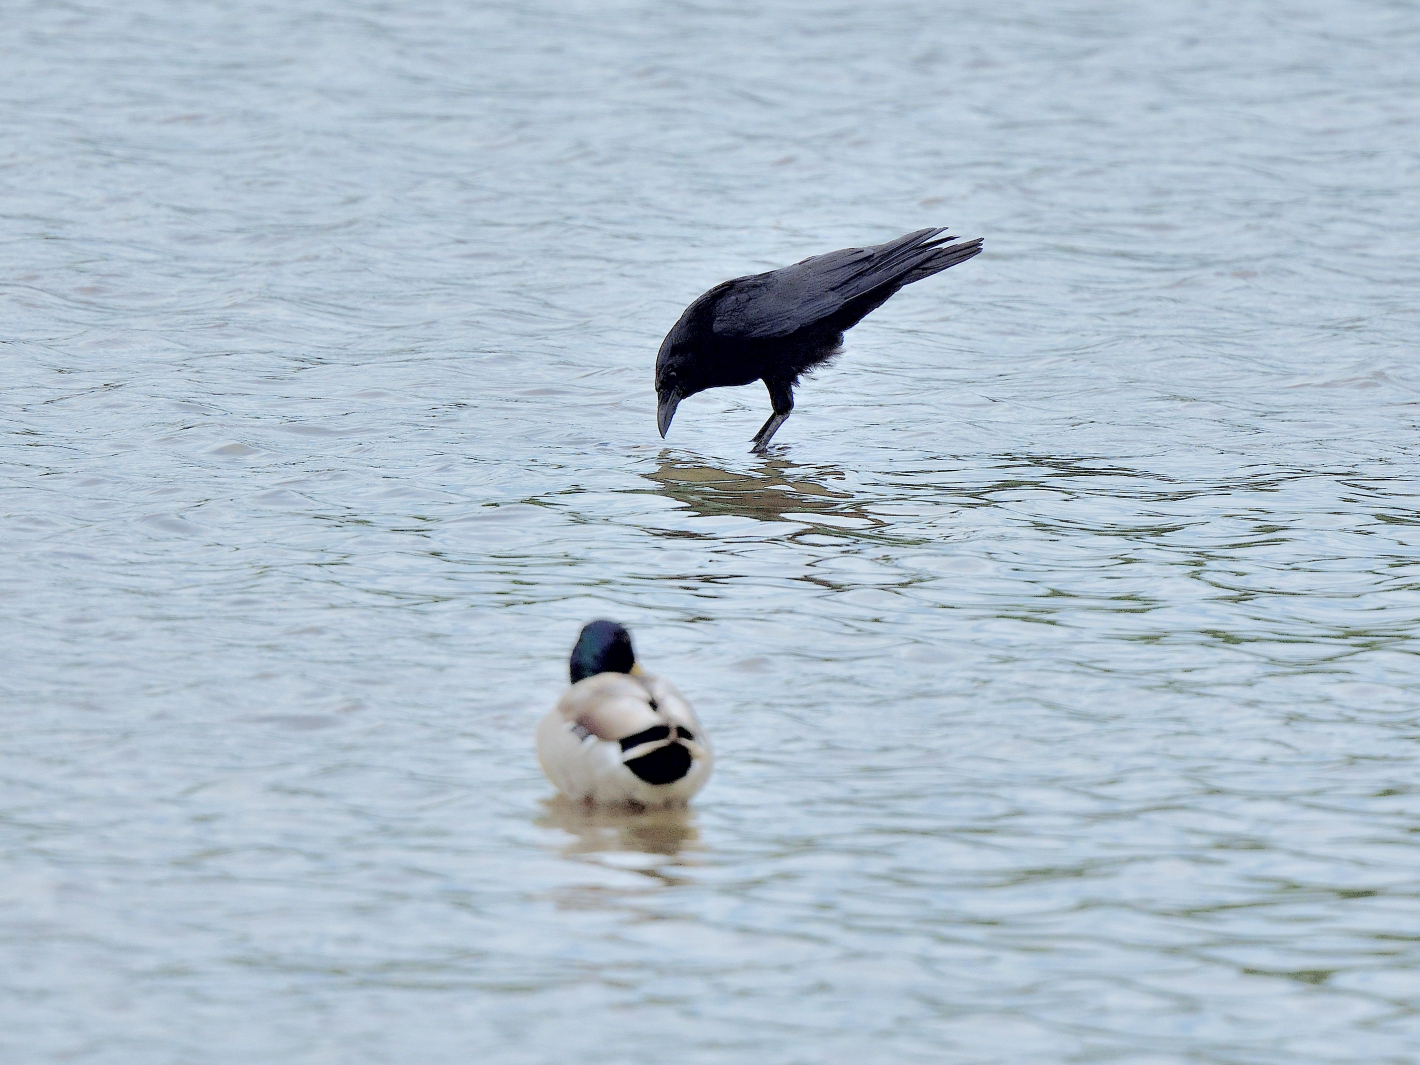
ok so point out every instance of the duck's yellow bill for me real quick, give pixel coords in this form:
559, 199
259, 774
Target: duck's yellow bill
637, 671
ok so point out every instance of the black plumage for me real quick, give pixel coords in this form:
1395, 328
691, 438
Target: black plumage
773, 327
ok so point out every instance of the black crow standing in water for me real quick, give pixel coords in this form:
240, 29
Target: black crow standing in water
773, 327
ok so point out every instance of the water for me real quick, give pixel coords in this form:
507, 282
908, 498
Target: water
1061, 657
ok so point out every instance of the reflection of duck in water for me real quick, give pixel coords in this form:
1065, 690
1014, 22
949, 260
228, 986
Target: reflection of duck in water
619, 736
666, 830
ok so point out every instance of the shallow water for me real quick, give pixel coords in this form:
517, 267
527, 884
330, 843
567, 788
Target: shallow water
1061, 659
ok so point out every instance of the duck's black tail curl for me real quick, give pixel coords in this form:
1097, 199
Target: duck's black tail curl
664, 765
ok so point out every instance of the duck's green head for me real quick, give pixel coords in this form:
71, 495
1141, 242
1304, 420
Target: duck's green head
603, 647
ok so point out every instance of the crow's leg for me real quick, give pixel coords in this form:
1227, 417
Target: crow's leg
767, 431
781, 394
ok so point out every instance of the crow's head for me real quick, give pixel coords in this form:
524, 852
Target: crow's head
677, 374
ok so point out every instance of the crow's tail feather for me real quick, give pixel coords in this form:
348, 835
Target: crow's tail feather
943, 256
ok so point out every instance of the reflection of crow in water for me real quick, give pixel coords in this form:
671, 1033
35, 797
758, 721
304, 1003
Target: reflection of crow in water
773, 327
772, 492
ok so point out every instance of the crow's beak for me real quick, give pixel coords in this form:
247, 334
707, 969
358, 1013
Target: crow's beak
665, 411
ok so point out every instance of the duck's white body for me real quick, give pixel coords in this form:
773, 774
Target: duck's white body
581, 749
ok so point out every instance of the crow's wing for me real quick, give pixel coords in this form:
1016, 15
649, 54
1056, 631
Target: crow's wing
784, 301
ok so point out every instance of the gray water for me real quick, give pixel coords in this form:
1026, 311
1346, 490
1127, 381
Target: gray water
1061, 657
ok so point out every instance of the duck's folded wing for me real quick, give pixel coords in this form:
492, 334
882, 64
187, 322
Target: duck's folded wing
610, 706
674, 706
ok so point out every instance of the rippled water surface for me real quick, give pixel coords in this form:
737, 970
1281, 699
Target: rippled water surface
1061, 657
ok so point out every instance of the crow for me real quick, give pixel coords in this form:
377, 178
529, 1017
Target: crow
773, 327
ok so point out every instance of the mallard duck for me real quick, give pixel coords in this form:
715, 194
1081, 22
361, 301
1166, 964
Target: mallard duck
619, 736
